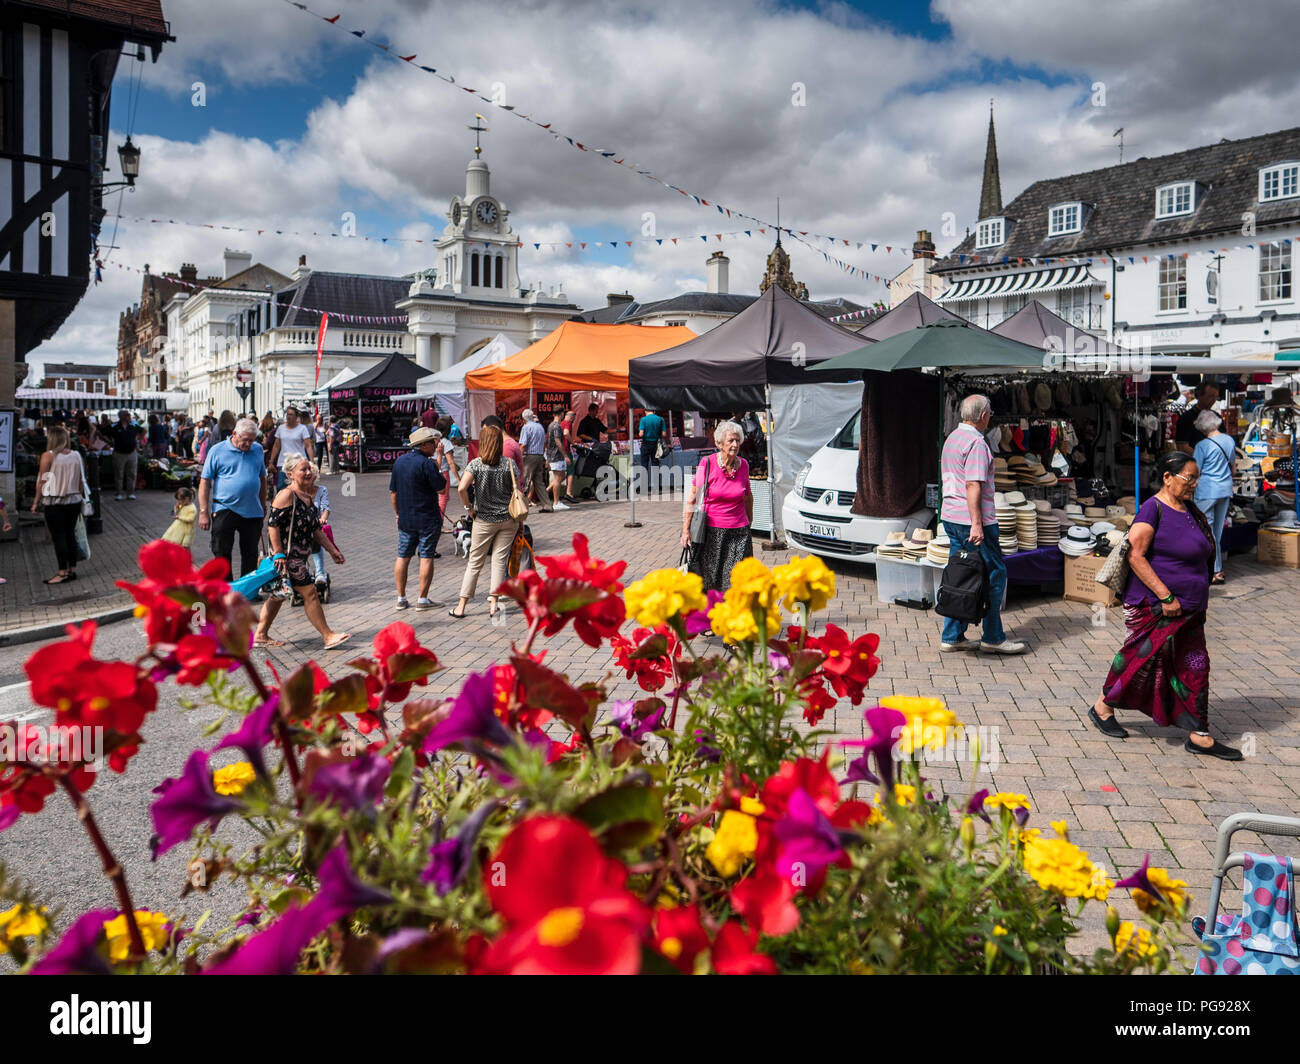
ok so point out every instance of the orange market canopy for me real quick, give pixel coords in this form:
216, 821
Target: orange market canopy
578, 356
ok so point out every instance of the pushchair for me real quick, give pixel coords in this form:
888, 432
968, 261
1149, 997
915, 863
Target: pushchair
590, 461
1263, 940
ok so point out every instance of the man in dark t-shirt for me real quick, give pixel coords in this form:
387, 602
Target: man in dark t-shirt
414, 486
1186, 434
125, 437
590, 428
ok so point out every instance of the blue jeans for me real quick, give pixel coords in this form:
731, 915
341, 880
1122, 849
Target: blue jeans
318, 563
1216, 512
955, 631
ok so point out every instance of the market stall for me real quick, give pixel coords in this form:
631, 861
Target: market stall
48, 400
377, 438
759, 360
445, 391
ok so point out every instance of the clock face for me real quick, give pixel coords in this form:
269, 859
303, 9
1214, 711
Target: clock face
486, 212
455, 214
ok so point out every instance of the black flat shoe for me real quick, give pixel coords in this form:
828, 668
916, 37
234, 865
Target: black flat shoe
1110, 726
1223, 753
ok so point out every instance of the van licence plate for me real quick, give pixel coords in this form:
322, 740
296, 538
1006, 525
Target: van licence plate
829, 531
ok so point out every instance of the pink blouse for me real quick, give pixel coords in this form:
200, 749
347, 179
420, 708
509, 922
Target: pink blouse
724, 505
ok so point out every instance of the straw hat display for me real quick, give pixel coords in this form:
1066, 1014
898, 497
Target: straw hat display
939, 548
914, 548
893, 545
1078, 543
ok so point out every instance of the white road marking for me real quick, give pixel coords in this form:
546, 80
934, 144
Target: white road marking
13, 686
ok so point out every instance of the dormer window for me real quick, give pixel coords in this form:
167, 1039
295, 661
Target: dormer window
1064, 218
1279, 182
989, 233
1176, 199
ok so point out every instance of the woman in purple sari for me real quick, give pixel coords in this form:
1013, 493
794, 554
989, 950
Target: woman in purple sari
1163, 668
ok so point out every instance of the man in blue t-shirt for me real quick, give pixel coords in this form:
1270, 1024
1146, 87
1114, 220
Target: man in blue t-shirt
232, 495
414, 486
650, 430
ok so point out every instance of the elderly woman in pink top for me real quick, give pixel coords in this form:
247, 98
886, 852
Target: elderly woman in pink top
722, 484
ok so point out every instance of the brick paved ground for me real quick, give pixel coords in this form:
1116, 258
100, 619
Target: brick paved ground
26, 601
1122, 799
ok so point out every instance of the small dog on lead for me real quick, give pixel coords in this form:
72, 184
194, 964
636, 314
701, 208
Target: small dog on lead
460, 534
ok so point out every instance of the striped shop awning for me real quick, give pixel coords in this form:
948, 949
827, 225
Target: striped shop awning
1008, 284
67, 399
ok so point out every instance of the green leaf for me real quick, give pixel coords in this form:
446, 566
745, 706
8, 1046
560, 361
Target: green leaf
403, 668
623, 817
654, 647
403, 766
347, 695
568, 595
298, 692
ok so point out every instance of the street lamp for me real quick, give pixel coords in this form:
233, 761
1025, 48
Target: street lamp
129, 157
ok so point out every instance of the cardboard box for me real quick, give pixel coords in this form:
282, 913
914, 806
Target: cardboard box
1279, 548
1081, 581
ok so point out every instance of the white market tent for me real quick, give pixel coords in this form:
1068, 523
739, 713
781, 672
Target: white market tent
337, 381
445, 390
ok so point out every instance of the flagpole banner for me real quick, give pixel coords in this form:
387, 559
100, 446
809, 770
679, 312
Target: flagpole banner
320, 347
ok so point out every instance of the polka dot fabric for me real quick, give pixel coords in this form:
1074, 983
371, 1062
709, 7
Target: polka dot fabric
1262, 940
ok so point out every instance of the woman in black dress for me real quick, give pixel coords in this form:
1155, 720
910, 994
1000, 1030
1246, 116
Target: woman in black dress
295, 532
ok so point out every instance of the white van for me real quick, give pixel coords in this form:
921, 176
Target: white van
816, 513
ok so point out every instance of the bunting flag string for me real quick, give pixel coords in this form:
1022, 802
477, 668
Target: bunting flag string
608, 155
193, 286
536, 245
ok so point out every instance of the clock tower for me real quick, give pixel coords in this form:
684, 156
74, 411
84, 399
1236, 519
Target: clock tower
478, 253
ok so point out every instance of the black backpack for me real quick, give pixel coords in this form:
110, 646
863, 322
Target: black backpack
964, 590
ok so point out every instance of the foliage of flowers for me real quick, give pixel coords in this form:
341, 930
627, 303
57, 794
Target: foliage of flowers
528, 823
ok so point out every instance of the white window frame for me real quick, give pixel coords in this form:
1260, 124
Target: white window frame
1172, 290
1056, 225
1172, 191
986, 229
98, 388
79, 386
1275, 277
1280, 174
60, 383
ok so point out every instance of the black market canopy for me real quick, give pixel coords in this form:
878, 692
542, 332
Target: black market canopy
1037, 326
775, 340
914, 311
395, 375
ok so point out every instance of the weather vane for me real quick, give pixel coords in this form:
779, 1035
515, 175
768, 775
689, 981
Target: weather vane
478, 129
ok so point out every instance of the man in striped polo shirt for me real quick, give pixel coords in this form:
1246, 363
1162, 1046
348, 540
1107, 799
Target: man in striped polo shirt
969, 516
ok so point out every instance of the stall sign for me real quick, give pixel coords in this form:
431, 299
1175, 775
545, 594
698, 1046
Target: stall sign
550, 403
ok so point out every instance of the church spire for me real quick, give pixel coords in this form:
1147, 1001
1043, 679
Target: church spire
991, 189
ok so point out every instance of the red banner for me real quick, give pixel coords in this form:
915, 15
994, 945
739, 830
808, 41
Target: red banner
320, 346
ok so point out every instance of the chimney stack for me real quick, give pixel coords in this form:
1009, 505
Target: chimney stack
613, 299
235, 262
716, 269
302, 269
923, 247
189, 272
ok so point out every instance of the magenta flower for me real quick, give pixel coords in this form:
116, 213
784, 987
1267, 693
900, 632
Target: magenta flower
698, 621
186, 803
625, 716
704, 749
277, 949
9, 815
1140, 881
78, 950
807, 842
254, 733
975, 807
357, 783
473, 717
452, 857
886, 725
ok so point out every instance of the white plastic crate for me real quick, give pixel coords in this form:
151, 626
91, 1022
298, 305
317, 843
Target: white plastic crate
899, 581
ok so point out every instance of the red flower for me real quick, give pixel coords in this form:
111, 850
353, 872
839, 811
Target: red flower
813, 777
197, 655
565, 907
647, 655
679, 936
581, 566
734, 953
171, 587
766, 901
399, 661
819, 699
849, 664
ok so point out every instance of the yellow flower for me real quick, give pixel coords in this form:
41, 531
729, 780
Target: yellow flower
1062, 868
1061, 828
1007, 800
928, 721
231, 779
1173, 890
732, 619
1135, 940
20, 921
805, 580
153, 929
735, 839
663, 594
752, 581
998, 930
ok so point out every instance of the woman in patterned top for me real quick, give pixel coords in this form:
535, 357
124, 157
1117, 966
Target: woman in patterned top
494, 530
294, 529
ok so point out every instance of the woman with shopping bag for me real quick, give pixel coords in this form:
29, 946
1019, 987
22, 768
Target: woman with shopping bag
61, 489
494, 512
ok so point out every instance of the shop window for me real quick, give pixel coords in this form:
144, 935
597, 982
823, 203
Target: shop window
1173, 284
1274, 271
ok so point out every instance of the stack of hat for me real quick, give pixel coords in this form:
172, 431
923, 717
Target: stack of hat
939, 548
1283, 521
1128, 502
1049, 527
914, 549
1006, 519
1075, 515
1003, 480
1026, 522
1101, 528
1078, 542
893, 546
